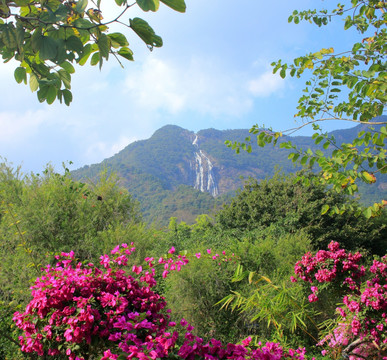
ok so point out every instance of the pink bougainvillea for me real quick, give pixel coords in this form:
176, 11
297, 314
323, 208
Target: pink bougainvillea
363, 317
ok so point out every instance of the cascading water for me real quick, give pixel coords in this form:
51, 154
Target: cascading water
204, 175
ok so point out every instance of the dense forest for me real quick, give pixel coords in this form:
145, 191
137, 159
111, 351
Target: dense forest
237, 280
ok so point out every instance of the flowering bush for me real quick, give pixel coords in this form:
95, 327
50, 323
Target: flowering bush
75, 304
361, 330
86, 312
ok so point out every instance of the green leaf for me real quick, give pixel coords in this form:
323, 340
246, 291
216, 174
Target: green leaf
178, 5
68, 67
104, 45
85, 54
295, 157
348, 23
324, 209
73, 43
356, 47
81, 6
67, 96
145, 32
94, 59
9, 36
119, 38
20, 75
51, 94
42, 93
34, 83
65, 77
83, 24
48, 48
126, 53
148, 5
367, 212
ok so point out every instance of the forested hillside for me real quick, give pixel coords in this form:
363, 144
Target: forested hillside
182, 174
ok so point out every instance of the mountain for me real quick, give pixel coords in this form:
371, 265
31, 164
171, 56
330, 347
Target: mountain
177, 172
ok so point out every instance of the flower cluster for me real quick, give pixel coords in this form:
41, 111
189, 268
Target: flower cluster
363, 316
83, 311
328, 266
74, 304
195, 348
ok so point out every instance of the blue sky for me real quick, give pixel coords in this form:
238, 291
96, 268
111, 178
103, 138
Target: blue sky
212, 72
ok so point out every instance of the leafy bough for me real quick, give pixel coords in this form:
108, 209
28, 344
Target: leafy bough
361, 74
47, 37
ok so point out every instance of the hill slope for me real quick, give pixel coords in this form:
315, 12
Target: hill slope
179, 173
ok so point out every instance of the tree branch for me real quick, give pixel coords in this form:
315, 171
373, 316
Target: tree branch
347, 352
293, 130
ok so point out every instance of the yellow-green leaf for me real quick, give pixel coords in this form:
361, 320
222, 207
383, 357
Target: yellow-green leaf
148, 5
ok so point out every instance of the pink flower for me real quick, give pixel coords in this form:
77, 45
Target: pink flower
137, 269
246, 341
171, 250
115, 250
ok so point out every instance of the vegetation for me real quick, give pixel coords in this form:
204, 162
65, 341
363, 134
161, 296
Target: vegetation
359, 72
78, 310
280, 203
47, 38
158, 171
265, 229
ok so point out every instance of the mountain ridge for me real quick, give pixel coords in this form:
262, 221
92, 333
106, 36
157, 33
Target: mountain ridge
176, 161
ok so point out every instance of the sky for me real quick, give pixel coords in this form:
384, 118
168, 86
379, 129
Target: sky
213, 71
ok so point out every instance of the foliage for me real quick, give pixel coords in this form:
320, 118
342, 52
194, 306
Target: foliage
50, 213
360, 74
280, 202
47, 37
279, 310
193, 292
263, 295
81, 311
358, 330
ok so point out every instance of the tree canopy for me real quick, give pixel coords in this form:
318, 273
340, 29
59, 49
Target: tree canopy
348, 85
279, 203
47, 37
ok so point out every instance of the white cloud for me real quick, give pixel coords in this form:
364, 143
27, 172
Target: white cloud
200, 86
101, 150
16, 127
266, 84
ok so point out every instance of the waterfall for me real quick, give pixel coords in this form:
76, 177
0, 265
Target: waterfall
204, 175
